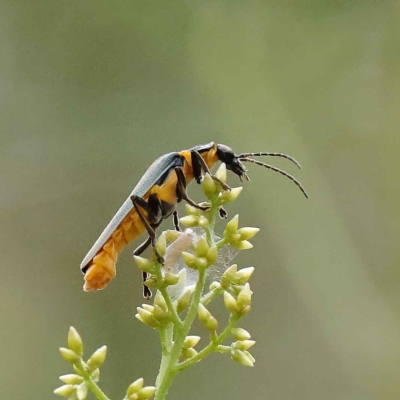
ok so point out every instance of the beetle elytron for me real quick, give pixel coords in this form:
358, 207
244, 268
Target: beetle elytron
154, 199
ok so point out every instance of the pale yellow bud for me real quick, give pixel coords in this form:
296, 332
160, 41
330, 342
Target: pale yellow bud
161, 244
192, 210
203, 222
247, 233
144, 264
148, 307
171, 235
212, 255
184, 300
188, 353
242, 245
244, 297
71, 379
135, 386
97, 358
241, 358
146, 392
244, 344
231, 226
230, 196
209, 187
203, 314
243, 275
74, 341
191, 341
82, 391
146, 317
229, 276
212, 324
170, 279
69, 355
189, 259
240, 334
189, 220
159, 301
221, 172
202, 247
230, 303
65, 391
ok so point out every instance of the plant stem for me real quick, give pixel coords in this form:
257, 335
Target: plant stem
91, 384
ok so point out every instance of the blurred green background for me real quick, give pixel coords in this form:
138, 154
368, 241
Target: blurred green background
93, 91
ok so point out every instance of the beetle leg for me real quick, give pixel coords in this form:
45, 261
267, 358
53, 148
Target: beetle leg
176, 221
198, 165
139, 250
181, 191
138, 203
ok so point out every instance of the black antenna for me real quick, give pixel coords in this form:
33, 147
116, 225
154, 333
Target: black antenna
292, 159
243, 157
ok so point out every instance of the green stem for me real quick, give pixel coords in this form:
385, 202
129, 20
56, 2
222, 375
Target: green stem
207, 298
91, 384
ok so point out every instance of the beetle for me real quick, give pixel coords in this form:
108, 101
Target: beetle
154, 199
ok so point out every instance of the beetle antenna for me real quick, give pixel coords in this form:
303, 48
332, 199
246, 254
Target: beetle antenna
292, 159
293, 179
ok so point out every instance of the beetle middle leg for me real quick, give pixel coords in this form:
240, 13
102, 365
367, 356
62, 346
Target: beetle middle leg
181, 191
176, 221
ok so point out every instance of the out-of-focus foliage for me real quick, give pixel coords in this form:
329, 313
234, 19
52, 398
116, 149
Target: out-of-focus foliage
93, 91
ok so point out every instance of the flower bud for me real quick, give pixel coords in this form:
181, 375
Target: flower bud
221, 173
192, 210
247, 233
230, 303
215, 285
69, 355
146, 392
241, 358
230, 196
170, 279
244, 311
74, 341
231, 226
148, 307
202, 247
97, 358
212, 324
95, 375
171, 235
244, 344
184, 300
151, 282
159, 301
243, 275
209, 187
244, 297
146, 317
189, 221
191, 341
81, 391
252, 359
159, 314
135, 386
229, 276
240, 334
161, 244
212, 255
203, 222
189, 259
65, 391
144, 264
203, 314
71, 379
242, 245
188, 353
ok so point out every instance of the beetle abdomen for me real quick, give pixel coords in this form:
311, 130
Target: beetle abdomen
101, 269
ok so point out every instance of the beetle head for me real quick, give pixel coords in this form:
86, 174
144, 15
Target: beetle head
226, 155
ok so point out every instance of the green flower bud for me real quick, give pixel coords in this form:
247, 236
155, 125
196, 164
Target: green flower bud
202, 247
144, 264
189, 259
230, 303
71, 379
170, 279
244, 344
148, 307
209, 187
247, 233
82, 391
229, 276
189, 220
230, 196
171, 235
161, 244
203, 222
74, 341
160, 315
69, 355
212, 255
212, 324
151, 282
189, 353
244, 297
243, 275
135, 386
252, 359
243, 245
241, 358
146, 392
203, 314
184, 300
146, 317
191, 341
201, 263
97, 358
215, 285
221, 173
65, 391
231, 226
192, 210
244, 311
159, 301
240, 334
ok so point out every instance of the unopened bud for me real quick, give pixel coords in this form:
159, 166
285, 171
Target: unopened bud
191, 341
212, 255
189, 259
215, 285
242, 245
212, 324
184, 300
202, 247
230, 196
231, 226
221, 173
97, 358
203, 314
148, 307
247, 233
192, 210
69, 355
189, 221
170, 279
74, 341
209, 187
159, 301
162, 244
159, 314
146, 392
244, 297
244, 344
230, 303
240, 334
71, 379
244, 311
65, 391
229, 276
81, 391
171, 235
243, 275
188, 353
241, 358
203, 222
135, 386
144, 264
146, 317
